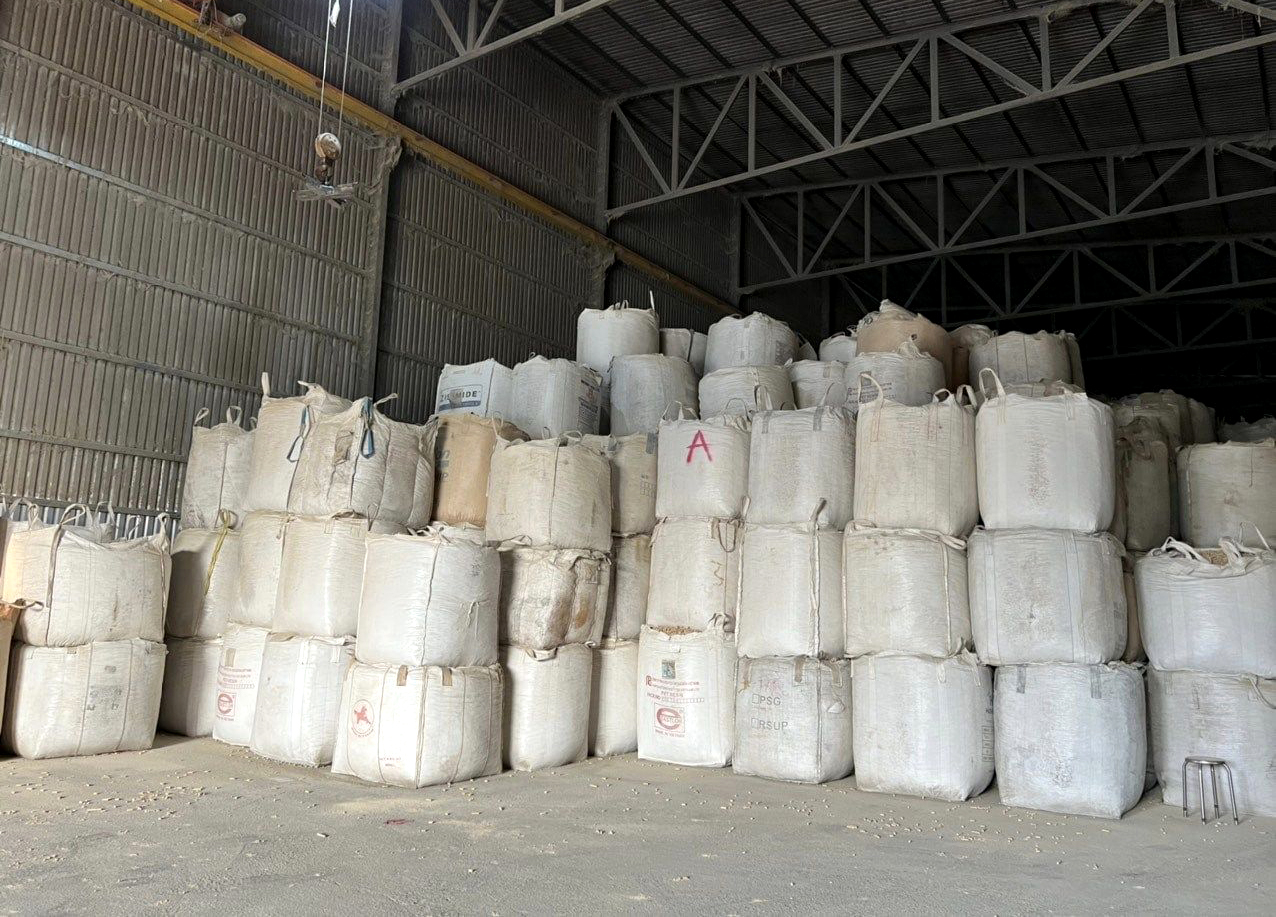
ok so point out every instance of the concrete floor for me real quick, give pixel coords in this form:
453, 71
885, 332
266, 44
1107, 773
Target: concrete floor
197, 826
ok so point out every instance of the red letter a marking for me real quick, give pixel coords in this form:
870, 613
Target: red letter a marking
699, 442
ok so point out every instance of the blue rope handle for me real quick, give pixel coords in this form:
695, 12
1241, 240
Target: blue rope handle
294, 453
368, 446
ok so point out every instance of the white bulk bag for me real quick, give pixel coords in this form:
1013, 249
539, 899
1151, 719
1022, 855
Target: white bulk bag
1223, 486
745, 389
1181, 410
800, 461
217, 469
1134, 651
915, 466
299, 698
644, 386
964, 340
604, 334
261, 550
360, 461
923, 726
282, 424
755, 339
793, 719
75, 518
703, 467
904, 591
633, 480
75, 589
686, 344
321, 576
817, 382
550, 597
1246, 432
790, 592
238, 677
1209, 615
884, 330
550, 492
1163, 416
546, 717
1046, 462
1046, 595
840, 348
203, 590
613, 706
419, 726
1146, 479
1071, 738
429, 598
686, 695
1232, 717
462, 462
1202, 423
8, 619
694, 565
553, 397
1027, 389
630, 583
904, 375
1017, 357
188, 704
82, 700
476, 388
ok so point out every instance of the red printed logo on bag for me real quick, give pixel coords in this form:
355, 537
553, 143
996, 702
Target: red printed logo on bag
225, 704
361, 718
669, 719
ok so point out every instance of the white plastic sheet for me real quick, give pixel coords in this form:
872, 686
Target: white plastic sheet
238, 677
801, 462
188, 705
686, 696
550, 493
299, 698
546, 719
613, 707
703, 467
217, 469
694, 565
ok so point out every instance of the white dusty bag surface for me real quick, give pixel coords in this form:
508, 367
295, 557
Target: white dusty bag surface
604, 334
817, 382
644, 386
475, 388
915, 466
1232, 717
1244, 431
633, 464
904, 591
890, 326
321, 576
964, 340
613, 706
1046, 462
744, 390
840, 348
546, 720
360, 461
790, 592
261, 551
462, 463
77, 590
1203, 423
1223, 486
429, 599
551, 597
1209, 616
923, 726
1146, 485
1017, 357
553, 397
800, 462
299, 698
905, 375
703, 467
1181, 410
419, 726
793, 719
1162, 415
686, 696
630, 583
1134, 651
83, 700
685, 344
75, 518
8, 620
282, 424
552, 493
695, 562
238, 677
203, 590
217, 469
1044, 595
748, 340
1071, 738
188, 705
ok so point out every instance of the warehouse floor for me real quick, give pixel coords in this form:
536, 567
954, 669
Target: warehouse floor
197, 826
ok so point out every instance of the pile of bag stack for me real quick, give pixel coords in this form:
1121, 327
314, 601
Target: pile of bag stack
909, 356
745, 365
611, 334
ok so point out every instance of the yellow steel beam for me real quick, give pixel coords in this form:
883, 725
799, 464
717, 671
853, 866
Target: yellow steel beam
274, 66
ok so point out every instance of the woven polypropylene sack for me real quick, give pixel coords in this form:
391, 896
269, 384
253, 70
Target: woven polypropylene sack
299, 698
755, 339
1202, 423
1146, 486
630, 584
1017, 358
744, 390
203, 590
904, 375
188, 704
217, 469
555, 397
550, 493
1249, 432
281, 425
703, 467
800, 463
686, 695
964, 340
613, 707
475, 388
552, 597
462, 463
633, 464
602, 335
840, 348
1161, 415
261, 551
790, 592
694, 565
644, 386
1181, 410
1227, 490
817, 382
686, 344
238, 677
546, 719
884, 330
321, 576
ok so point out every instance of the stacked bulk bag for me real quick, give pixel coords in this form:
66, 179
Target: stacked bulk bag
923, 726
261, 552
1016, 357
1134, 651
553, 493
686, 694
282, 424
695, 562
1146, 486
1162, 415
8, 620
204, 584
904, 375
745, 389
686, 345
188, 705
477, 388
817, 382
1181, 410
703, 467
613, 712
238, 678
552, 596
1224, 486
630, 584
1244, 431
554, 397
1071, 738
632, 460
1203, 422
416, 726
748, 340
462, 463
964, 340
644, 386
321, 576
1027, 389
217, 469
546, 714
602, 335
801, 460
891, 326
840, 348
298, 698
